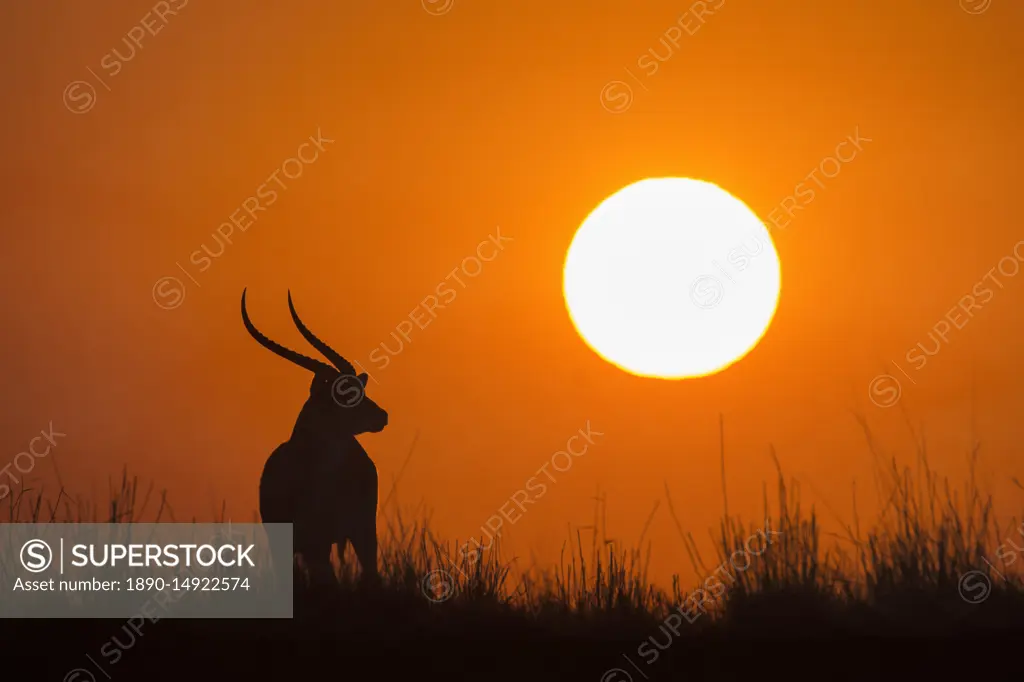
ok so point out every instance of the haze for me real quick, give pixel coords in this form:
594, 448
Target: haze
447, 129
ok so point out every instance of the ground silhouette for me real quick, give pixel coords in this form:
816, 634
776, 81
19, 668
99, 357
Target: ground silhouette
893, 606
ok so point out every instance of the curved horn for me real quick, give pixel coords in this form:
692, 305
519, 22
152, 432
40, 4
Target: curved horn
313, 365
343, 365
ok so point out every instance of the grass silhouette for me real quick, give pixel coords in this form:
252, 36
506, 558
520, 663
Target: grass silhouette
901, 577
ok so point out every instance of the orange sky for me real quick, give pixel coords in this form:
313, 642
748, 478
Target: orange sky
445, 127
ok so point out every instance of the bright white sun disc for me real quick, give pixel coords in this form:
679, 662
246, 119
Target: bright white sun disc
672, 277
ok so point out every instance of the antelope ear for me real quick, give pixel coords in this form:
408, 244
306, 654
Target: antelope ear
363, 378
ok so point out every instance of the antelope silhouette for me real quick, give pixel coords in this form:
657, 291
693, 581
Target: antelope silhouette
321, 479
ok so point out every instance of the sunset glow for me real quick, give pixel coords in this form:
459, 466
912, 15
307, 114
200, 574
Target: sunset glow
673, 278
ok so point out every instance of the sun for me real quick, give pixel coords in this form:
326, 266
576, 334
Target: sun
672, 278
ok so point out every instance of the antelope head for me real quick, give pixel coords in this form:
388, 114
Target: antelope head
338, 404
